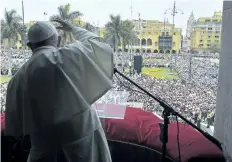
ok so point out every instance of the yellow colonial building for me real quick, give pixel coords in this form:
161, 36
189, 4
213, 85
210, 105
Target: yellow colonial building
79, 21
154, 37
206, 33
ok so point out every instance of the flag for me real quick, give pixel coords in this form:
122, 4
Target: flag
45, 13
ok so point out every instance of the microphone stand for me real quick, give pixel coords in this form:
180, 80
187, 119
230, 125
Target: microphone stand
168, 110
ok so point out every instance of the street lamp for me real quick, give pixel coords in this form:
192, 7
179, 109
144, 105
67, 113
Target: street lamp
174, 11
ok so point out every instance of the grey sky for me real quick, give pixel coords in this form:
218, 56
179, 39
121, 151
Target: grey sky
99, 10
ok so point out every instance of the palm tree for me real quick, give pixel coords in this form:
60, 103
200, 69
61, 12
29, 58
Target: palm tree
119, 32
113, 31
128, 34
11, 27
65, 14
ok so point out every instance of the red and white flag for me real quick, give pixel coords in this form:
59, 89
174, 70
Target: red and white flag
45, 13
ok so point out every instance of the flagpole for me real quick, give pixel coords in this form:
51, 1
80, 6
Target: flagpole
22, 36
23, 11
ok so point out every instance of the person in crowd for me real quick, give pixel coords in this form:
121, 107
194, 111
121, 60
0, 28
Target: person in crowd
199, 119
50, 97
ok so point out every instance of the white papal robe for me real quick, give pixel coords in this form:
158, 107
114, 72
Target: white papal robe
50, 99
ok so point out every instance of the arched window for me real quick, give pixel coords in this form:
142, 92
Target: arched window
144, 42
137, 51
173, 51
149, 42
155, 51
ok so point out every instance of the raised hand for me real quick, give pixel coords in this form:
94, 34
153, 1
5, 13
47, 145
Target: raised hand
64, 25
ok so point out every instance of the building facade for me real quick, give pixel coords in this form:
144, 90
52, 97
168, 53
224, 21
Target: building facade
154, 37
187, 37
206, 33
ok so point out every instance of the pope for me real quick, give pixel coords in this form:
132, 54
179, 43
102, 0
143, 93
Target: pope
50, 97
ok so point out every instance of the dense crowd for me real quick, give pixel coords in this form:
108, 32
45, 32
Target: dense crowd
193, 93
17, 59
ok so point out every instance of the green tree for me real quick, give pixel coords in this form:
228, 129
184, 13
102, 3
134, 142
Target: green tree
113, 31
64, 13
127, 34
119, 32
11, 28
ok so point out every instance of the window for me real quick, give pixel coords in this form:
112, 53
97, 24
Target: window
202, 28
217, 31
216, 36
20, 41
208, 45
210, 28
174, 33
209, 36
167, 33
162, 33
209, 41
201, 40
149, 33
156, 43
201, 45
217, 41
173, 43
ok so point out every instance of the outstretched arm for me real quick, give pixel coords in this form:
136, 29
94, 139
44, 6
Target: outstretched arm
79, 33
83, 35
95, 58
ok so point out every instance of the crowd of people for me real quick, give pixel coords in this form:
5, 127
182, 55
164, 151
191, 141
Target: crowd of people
193, 93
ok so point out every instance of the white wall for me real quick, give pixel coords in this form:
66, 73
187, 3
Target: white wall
223, 120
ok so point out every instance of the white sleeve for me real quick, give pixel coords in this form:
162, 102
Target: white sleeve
95, 61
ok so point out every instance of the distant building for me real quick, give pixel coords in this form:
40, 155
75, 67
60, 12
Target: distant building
206, 33
154, 36
79, 21
187, 38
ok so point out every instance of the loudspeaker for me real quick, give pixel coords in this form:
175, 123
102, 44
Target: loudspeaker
138, 61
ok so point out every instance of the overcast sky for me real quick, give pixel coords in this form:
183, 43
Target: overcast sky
97, 11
